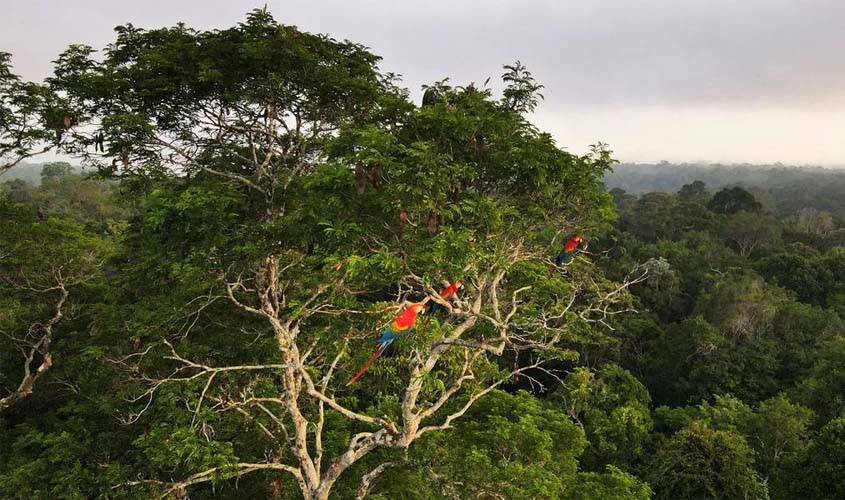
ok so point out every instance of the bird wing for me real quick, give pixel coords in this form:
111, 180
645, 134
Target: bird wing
563, 258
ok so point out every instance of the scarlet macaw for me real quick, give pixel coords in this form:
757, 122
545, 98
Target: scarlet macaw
399, 327
568, 251
447, 292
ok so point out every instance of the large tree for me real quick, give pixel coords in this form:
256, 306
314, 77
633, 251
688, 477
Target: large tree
612, 406
43, 264
748, 231
294, 202
732, 200
820, 473
699, 462
33, 118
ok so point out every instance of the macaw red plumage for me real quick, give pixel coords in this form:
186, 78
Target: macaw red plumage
407, 318
568, 250
447, 292
399, 327
451, 289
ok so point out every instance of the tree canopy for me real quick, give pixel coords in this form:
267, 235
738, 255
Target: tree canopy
247, 208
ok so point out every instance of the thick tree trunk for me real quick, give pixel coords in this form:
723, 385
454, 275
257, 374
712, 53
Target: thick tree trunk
321, 494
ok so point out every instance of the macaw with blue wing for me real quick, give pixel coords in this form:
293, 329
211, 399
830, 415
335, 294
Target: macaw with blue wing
447, 292
568, 251
399, 327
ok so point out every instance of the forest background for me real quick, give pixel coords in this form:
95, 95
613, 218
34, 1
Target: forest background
258, 202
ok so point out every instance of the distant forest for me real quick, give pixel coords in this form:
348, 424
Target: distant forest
31, 172
782, 190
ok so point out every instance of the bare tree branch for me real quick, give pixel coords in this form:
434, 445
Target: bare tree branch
371, 476
39, 348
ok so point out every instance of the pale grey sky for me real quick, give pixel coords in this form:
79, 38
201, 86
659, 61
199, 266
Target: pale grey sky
681, 80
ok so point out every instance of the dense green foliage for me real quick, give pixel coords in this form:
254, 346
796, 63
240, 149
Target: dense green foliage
737, 340
269, 198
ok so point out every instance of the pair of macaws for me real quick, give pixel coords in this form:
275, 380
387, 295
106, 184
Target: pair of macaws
403, 325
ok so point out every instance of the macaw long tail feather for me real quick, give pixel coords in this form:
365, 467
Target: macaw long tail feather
367, 364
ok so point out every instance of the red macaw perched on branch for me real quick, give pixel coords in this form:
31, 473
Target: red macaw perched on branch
447, 292
399, 327
568, 251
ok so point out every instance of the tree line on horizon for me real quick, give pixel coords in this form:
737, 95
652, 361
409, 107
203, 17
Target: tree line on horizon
783, 190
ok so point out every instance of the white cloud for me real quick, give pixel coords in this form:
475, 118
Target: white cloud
750, 80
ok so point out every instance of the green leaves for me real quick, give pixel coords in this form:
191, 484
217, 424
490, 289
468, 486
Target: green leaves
171, 447
25, 123
521, 93
612, 405
733, 200
287, 200
698, 462
820, 472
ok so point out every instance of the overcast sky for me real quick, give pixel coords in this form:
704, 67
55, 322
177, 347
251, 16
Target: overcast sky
679, 80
